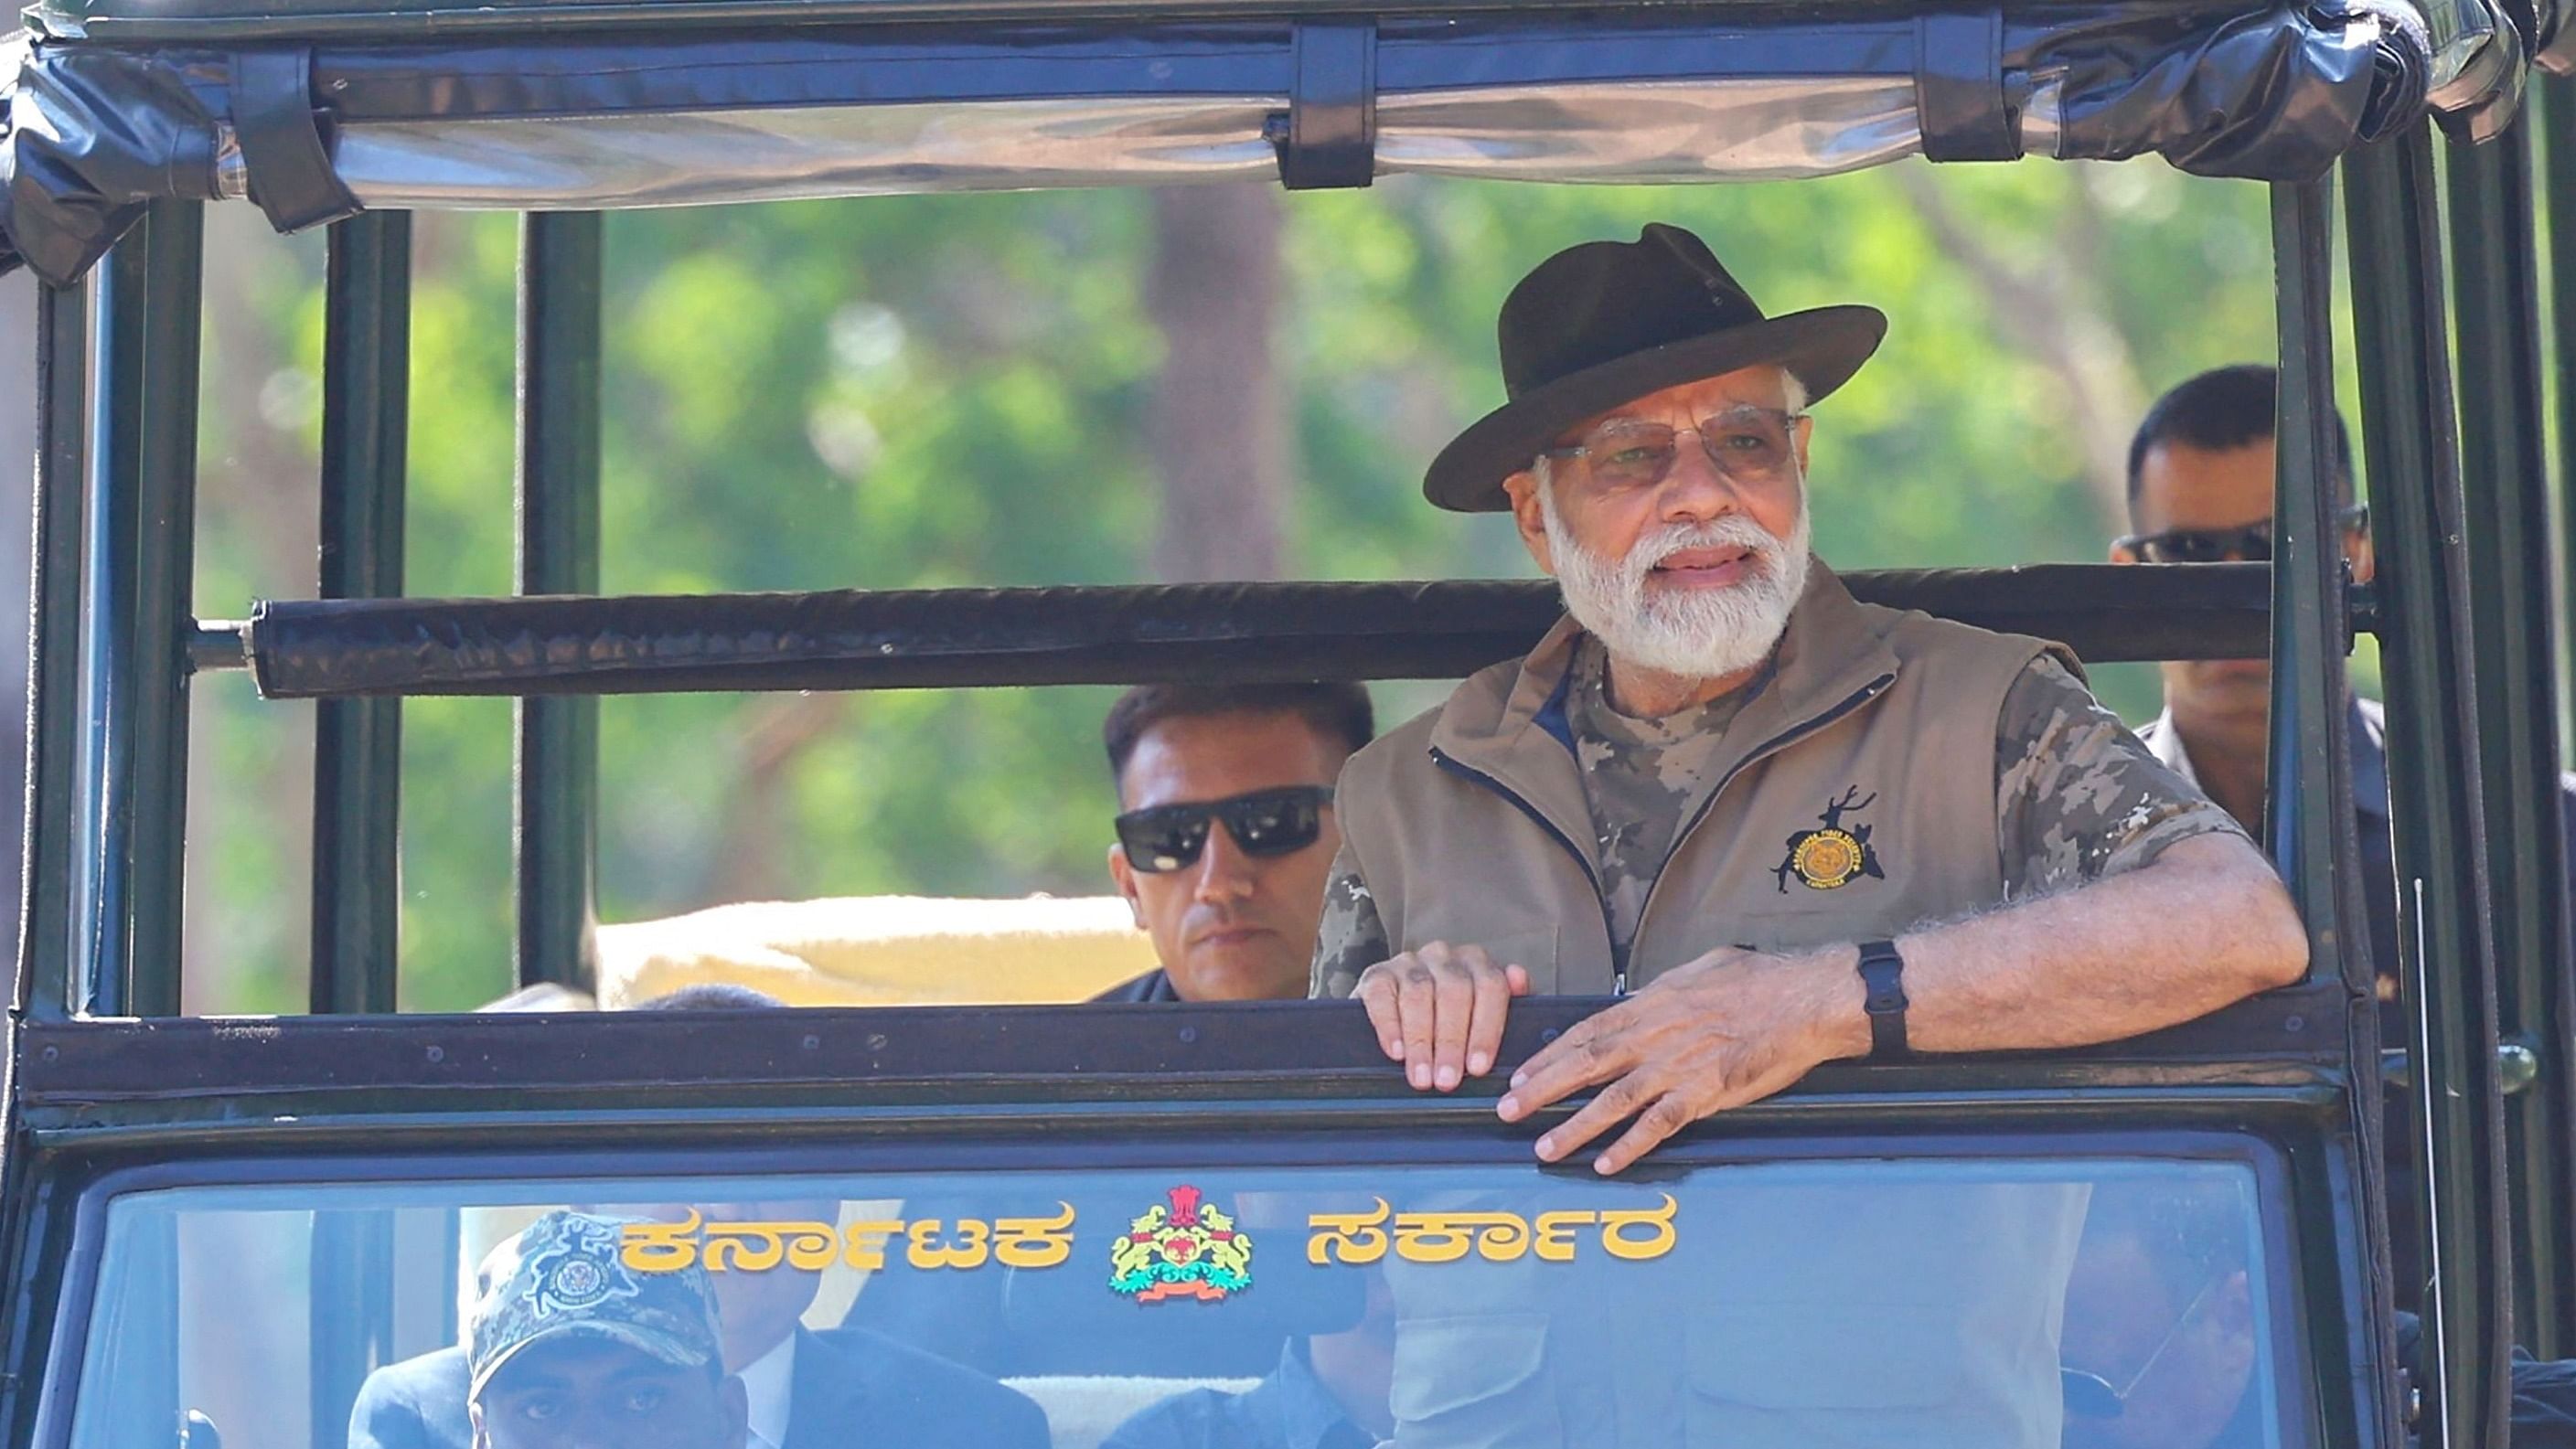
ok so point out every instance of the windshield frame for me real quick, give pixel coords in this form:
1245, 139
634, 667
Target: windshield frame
2294, 1353
188, 1070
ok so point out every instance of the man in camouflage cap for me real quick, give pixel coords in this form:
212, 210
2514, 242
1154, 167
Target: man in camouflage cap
571, 1349
1725, 785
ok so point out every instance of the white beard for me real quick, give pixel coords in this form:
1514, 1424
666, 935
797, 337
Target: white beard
1693, 633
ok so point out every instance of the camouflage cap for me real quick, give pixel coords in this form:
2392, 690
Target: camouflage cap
566, 1276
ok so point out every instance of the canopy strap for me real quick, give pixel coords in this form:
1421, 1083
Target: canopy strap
1330, 139
1959, 96
290, 170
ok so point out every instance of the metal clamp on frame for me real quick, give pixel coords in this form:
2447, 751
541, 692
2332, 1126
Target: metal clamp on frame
1960, 100
291, 176
1329, 136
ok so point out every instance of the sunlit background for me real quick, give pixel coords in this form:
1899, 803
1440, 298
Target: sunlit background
902, 393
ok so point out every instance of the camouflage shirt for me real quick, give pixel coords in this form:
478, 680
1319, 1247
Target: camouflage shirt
1642, 778
2077, 798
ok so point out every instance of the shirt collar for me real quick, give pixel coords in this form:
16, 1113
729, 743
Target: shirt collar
1154, 985
1307, 1410
767, 1382
2368, 730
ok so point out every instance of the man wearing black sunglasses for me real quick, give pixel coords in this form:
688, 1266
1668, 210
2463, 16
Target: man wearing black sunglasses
2200, 491
1226, 829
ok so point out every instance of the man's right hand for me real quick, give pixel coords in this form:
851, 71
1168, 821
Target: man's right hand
1439, 1010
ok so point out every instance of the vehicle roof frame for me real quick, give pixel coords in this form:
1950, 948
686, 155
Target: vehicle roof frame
115, 495
312, 127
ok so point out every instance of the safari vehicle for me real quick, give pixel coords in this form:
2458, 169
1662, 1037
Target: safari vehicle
216, 1228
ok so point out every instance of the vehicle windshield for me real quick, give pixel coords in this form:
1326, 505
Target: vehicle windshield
1933, 1297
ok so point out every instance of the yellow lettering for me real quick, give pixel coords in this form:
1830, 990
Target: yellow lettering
811, 1247
1433, 1237
868, 1244
752, 1247
1556, 1234
1633, 1234
1445, 1237
660, 1247
1658, 1223
1034, 1242
1504, 1239
969, 1251
1349, 1237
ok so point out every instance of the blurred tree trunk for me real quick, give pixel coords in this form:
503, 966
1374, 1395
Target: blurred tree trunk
1219, 425
250, 763
2055, 309
769, 736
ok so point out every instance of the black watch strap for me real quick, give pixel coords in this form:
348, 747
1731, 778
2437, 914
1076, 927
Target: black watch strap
1882, 974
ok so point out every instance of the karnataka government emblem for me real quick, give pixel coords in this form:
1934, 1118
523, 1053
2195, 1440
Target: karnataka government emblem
1830, 858
1187, 1250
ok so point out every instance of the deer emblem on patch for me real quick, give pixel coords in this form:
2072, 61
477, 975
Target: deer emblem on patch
1830, 857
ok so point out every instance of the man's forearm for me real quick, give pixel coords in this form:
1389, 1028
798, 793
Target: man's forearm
2206, 924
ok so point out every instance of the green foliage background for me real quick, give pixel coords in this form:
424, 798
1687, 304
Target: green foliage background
912, 392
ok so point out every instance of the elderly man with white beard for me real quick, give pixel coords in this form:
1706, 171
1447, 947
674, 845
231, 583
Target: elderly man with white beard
1786, 827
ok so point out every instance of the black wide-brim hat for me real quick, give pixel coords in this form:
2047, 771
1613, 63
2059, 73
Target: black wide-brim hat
1605, 323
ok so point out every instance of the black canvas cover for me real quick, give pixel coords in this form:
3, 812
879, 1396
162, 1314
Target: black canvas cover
311, 132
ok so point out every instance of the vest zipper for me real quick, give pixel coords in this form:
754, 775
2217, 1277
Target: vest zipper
1618, 953
1764, 750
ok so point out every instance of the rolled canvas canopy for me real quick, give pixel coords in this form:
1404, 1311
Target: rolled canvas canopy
566, 117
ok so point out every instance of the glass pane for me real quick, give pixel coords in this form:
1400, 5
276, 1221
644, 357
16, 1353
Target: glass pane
1993, 1302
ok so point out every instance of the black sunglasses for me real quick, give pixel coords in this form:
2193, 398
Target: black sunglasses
2252, 543
1263, 823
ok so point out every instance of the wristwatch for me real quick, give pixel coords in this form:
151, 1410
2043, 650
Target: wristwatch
1882, 973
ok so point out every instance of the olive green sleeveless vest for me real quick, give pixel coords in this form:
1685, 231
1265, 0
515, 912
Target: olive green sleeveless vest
1858, 800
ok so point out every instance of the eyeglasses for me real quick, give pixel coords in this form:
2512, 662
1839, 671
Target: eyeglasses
1749, 445
1262, 822
2252, 543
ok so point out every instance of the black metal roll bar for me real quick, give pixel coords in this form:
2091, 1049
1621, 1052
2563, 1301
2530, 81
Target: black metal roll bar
2496, 291
2546, 1010
2447, 962
2311, 831
940, 638
554, 820
357, 744
139, 564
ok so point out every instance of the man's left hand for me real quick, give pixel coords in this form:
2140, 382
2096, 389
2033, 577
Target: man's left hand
1729, 1028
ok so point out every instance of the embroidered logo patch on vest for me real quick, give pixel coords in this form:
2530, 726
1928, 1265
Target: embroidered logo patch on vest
1832, 857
